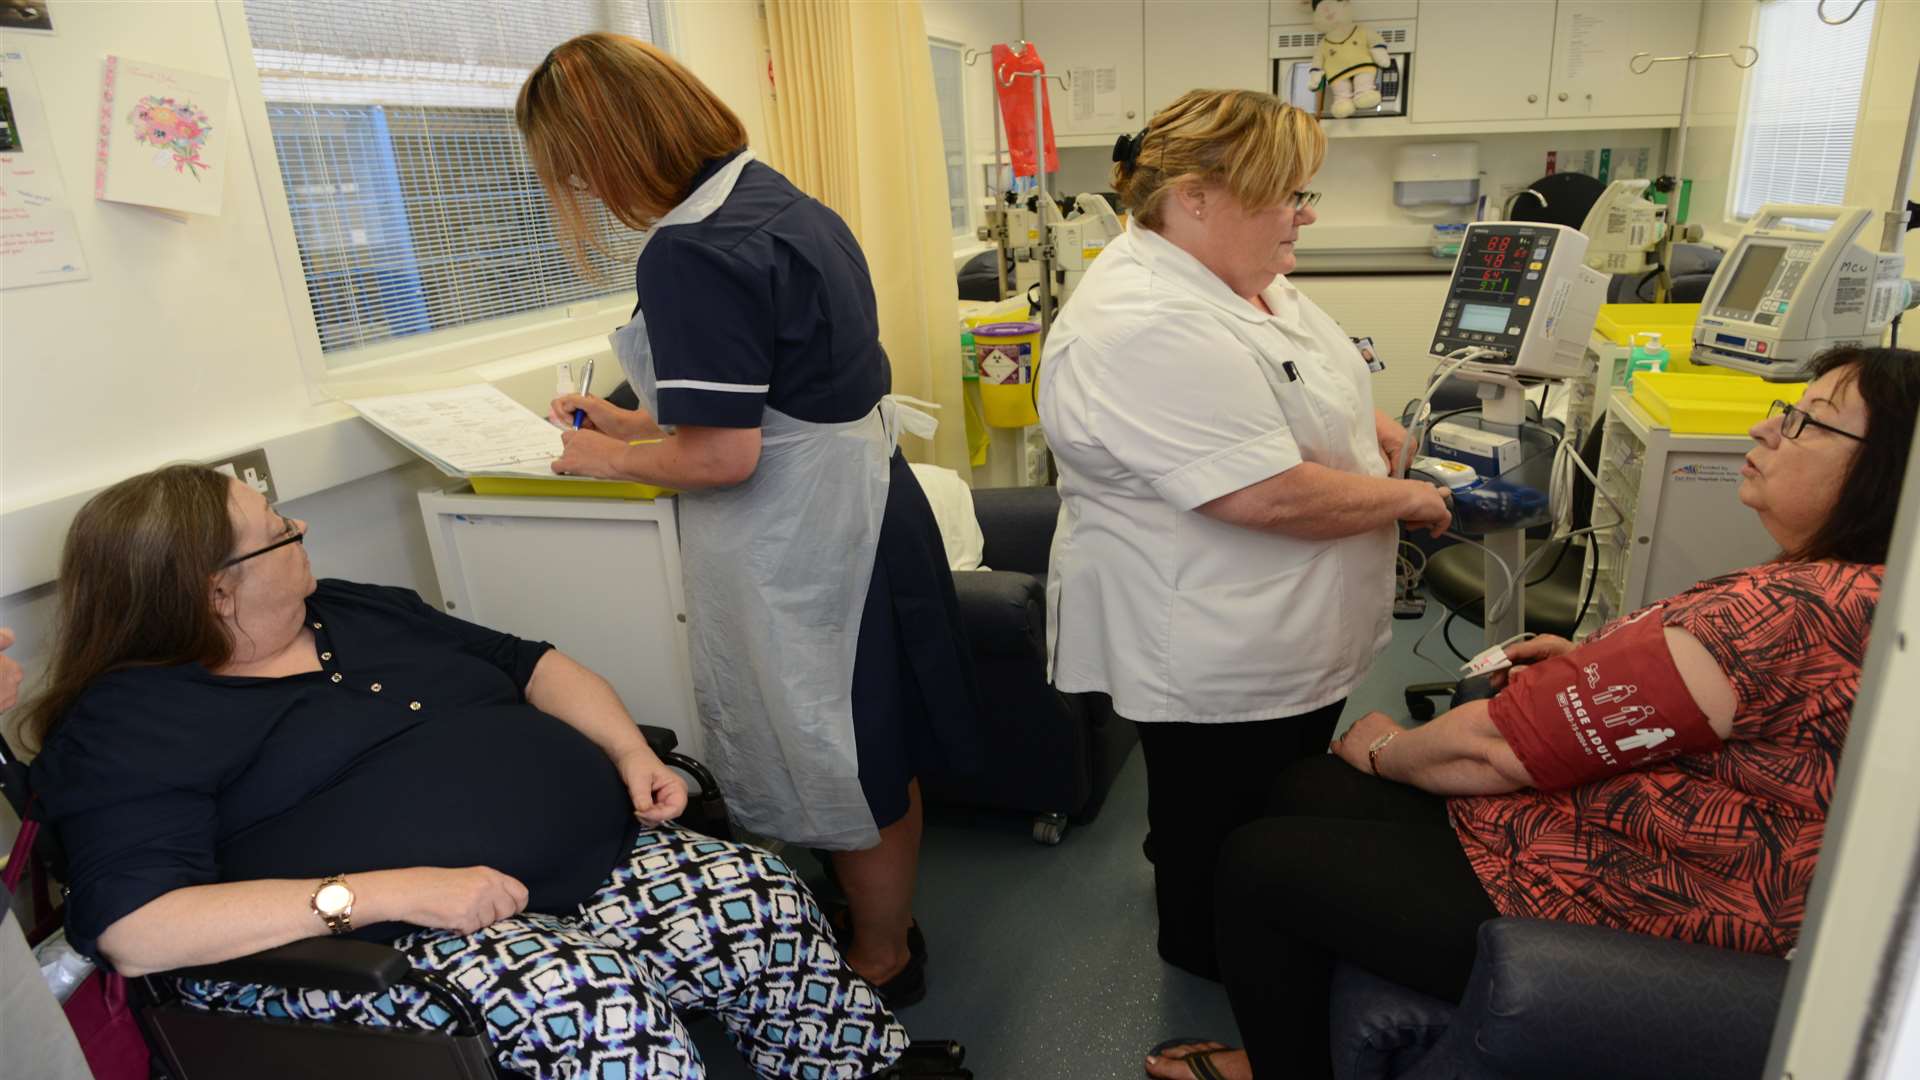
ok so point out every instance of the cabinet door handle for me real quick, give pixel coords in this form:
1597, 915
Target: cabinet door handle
1129, 114
1563, 95
1531, 98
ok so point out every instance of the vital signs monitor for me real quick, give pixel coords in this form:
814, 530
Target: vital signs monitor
1521, 300
1798, 282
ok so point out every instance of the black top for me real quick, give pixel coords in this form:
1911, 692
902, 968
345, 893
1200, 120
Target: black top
767, 302
166, 777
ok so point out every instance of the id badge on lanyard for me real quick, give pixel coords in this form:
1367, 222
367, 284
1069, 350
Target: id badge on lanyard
1365, 345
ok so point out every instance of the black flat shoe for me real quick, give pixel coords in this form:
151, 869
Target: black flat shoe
839, 920
907, 988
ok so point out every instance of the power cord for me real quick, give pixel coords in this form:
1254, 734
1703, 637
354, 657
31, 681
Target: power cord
1496, 606
1455, 360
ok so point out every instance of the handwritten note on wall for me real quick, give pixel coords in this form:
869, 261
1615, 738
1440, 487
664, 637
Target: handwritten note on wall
38, 242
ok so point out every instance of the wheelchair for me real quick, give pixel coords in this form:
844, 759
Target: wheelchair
193, 1044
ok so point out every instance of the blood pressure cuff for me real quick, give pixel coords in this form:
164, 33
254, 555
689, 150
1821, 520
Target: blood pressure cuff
1612, 705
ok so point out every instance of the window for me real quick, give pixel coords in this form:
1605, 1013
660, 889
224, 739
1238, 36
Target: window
1803, 99
414, 206
947, 90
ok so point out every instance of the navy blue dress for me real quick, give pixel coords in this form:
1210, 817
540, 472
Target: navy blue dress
413, 745
767, 303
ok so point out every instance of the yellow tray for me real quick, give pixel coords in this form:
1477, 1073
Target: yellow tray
579, 489
1708, 404
1673, 322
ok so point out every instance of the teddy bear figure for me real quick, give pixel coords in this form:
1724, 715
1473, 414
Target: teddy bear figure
1348, 59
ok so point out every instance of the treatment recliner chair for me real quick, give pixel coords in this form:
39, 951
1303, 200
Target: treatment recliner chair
1567, 1001
1056, 755
1564, 1000
192, 1044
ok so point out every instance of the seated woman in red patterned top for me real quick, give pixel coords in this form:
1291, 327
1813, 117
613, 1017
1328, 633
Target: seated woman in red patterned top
1670, 776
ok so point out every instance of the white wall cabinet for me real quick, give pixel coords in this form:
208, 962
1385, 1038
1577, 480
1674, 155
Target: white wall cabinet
1475, 62
1216, 44
1098, 45
1536, 59
1479, 61
1593, 40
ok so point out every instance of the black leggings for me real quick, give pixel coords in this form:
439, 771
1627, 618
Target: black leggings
1203, 782
1347, 867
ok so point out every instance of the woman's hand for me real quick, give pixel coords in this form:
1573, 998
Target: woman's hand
659, 794
1538, 648
442, 898
1426, 507
623, 424
1392, 438
1352, 746
589, 453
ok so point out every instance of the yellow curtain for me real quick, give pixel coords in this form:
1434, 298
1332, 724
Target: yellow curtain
854, 123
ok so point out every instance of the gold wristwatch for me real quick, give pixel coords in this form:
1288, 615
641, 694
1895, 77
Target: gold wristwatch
333, 902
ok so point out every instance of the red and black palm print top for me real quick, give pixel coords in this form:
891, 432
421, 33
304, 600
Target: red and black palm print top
1716, 847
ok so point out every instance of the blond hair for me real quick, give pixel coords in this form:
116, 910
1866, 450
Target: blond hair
625, 119
1260, 147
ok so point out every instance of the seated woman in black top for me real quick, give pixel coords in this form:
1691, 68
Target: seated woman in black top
237, 756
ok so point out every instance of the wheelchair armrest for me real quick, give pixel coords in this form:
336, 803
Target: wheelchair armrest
1564, 1000
662, 740
323, 963
1003, 611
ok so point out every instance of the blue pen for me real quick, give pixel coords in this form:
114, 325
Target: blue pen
586, 380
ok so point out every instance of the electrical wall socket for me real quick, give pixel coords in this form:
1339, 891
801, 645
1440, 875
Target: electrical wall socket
250, 468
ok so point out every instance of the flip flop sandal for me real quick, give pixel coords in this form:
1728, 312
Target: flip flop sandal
1198, 1063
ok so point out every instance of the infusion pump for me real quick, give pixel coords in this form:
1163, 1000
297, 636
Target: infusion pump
1798, 282
1521, 300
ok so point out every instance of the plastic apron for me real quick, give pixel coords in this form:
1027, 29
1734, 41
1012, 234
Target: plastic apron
777, 570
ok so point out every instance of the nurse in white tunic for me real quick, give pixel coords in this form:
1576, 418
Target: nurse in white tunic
1224, 562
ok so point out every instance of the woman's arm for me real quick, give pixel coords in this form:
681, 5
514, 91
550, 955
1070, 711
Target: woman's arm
564, 688
689, 459
1461, 752
1313, 502
205, 924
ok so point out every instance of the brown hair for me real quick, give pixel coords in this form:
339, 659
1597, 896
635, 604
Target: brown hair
1859, 528
1260, 147
629, 121
136, 585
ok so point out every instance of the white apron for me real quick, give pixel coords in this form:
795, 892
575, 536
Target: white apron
777, 570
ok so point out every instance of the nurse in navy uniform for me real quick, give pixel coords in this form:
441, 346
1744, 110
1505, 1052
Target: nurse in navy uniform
827, 657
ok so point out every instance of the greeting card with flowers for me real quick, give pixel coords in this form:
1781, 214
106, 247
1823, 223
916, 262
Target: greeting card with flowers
163, 137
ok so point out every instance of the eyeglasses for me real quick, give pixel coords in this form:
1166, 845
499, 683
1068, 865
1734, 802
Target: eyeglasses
295, 535
1301, 200
1796, 420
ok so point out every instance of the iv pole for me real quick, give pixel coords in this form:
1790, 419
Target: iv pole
1042, 212
999, 233
1675, 177
1002, 241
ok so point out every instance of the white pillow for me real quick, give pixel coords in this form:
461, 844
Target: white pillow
952, 502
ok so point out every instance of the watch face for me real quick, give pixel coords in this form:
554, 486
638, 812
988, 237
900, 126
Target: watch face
333, 899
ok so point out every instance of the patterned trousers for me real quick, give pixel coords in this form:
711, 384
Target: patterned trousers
686, 923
